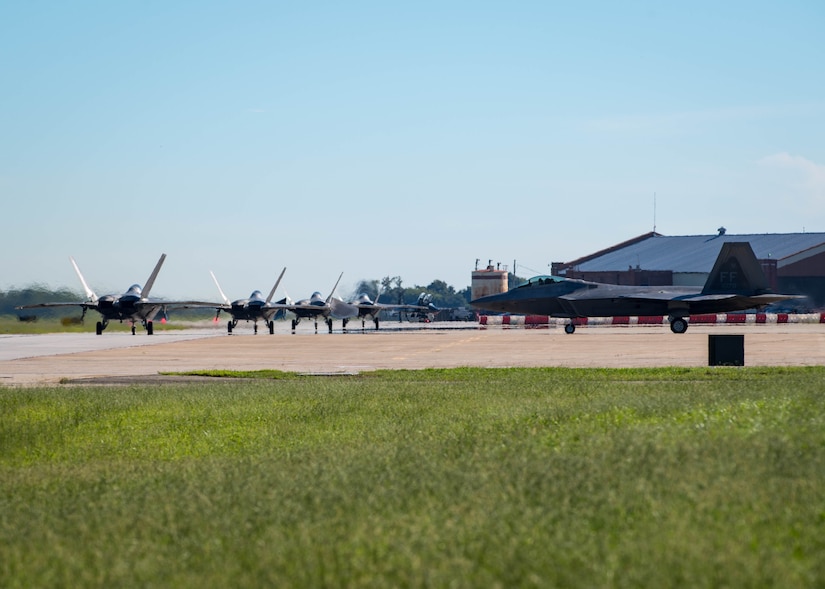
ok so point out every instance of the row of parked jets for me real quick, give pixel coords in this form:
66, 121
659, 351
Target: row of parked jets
134, 306
736, 283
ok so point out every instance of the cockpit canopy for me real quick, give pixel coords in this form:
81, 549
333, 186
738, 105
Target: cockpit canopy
542, 281
364, 299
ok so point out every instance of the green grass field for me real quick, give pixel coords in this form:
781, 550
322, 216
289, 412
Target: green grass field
461, 478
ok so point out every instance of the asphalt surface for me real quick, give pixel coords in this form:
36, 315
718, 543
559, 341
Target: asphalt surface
27, 360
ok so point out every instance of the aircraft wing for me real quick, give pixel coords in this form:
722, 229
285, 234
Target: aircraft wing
85, 305
194, 305
757, 300
656, 301
336, 308
383, 306
268, 313
341, 310
149, 309
315, 309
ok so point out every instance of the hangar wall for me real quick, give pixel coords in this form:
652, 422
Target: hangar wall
792, 263
804, 274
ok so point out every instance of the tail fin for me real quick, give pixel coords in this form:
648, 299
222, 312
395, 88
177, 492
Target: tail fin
148, 286
332, 292
90, 294
220, 290
736, 271
274, 288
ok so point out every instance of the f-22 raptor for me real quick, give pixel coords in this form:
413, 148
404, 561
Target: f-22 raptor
133, 305
735, 283
317, 306
369, 308
255, 308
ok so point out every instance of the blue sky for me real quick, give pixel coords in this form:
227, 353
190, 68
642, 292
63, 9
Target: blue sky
389, 139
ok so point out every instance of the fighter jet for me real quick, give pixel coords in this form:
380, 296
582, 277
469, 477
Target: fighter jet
735, 283
369, 308
316, 306
132, 306
255, 308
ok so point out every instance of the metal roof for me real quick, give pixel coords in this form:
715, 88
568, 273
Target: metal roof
694, 253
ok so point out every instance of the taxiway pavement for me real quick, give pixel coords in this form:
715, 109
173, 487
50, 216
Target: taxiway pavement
55, 358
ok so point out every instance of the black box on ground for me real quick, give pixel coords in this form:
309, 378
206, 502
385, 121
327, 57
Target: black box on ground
726, 350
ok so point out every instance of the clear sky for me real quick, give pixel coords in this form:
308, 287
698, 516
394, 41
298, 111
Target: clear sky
394, 139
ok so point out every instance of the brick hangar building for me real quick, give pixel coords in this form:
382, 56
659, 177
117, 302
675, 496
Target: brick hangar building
794, 263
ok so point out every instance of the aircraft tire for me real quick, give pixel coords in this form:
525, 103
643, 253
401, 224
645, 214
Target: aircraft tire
229, 327
376, 324
570, 328
150, 328
678, 325
255, 329
329, 325
133, 329
271, 325
99, 328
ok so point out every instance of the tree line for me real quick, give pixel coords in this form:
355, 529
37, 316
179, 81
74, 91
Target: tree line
392, 292
33, 295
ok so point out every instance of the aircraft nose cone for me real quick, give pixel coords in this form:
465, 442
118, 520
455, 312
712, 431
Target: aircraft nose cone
489, 303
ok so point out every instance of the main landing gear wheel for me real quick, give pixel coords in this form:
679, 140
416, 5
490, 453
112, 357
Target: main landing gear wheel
329, 325
150, 327
133, 329
678, 325
229, 326
255, 328
570, 328
271, 326
99, 327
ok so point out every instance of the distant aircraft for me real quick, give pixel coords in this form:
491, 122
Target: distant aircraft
369, 308
132, 306
316, 306
255, 308
736, 283
424, 309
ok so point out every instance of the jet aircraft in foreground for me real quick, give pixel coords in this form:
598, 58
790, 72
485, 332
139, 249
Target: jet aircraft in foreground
369, 308
736, 283
316, 306
132, 306
255, 308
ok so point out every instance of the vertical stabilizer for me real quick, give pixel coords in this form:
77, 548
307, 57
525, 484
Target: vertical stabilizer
148, 286
332, 292
736, 271
220, 290
90, 294
274, 288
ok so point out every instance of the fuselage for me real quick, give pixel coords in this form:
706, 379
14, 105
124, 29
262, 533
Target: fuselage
250, 309
560, 297
130, 306
312, 307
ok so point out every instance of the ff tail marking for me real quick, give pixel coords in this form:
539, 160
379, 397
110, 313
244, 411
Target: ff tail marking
736, 271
